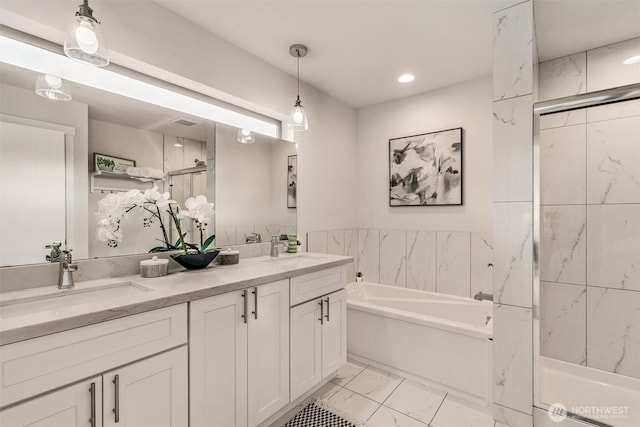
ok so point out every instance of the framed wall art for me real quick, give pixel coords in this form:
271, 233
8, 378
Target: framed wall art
426, 169
106, 163
292, 181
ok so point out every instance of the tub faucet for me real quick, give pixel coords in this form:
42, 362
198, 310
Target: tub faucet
274, 246
481, 296
65, 273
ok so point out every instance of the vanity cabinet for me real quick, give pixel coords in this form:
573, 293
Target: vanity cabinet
151, 392
239, 356
43, 381
78, 405
318, 340
318, 327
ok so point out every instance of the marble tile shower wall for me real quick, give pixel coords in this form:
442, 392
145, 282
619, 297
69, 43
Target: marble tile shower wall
513, 96
590, 237
455, 263
590, 189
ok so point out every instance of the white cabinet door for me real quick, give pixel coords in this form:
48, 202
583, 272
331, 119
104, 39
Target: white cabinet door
79, 405
149, 393
334, 332
218, 361
306, 344
268, 368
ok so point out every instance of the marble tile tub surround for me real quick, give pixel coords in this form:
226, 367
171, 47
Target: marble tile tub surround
383, 399
179, 287
236, 234
456, 263
30, 276
593, 70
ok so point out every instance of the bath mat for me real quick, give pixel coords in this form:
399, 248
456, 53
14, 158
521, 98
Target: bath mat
319, 414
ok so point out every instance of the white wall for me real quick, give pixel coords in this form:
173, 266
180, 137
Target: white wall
195, 58
467, 105
25, 103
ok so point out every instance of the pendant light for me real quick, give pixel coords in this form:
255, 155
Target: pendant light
298, 118
84, 41
245, 136
53, 87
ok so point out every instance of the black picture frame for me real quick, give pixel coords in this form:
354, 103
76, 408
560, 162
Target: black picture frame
427, 169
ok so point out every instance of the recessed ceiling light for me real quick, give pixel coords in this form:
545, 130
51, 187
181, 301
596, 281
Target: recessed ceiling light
406, 78
632, 60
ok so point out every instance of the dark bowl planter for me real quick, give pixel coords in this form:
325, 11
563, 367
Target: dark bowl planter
195, 261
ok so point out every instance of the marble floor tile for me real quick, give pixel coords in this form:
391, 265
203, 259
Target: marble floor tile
454, 413
327, 390
374, 384
387, 417
347, 372
353, 404
416, 400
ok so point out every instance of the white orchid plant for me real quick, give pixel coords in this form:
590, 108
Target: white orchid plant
114, 207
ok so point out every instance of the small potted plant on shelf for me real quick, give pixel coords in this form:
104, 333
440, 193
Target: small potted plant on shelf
158, 207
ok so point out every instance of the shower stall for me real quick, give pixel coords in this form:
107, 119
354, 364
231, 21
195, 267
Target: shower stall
587, 257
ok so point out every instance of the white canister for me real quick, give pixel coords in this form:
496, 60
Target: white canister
154, 267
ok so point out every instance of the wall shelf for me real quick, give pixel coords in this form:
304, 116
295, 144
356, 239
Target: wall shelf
120, 177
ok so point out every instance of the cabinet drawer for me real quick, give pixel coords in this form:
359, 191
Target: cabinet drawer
34, 366
313, 285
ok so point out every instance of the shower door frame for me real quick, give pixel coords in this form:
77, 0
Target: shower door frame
590, 99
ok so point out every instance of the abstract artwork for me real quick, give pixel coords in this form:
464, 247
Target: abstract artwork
292, 181
426, 169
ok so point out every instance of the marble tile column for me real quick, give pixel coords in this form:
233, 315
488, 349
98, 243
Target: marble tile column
513, 90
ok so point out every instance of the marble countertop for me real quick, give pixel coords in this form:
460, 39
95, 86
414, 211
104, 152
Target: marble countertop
176, 288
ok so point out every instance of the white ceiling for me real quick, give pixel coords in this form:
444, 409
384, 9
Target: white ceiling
358, 48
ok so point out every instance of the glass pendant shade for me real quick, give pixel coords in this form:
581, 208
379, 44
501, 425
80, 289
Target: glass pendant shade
245, 136
84, 42
53, 87
298, 117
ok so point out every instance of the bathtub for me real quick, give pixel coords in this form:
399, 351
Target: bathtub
608, 398
440, 339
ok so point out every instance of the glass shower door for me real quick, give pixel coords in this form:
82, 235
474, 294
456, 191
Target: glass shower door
588, 361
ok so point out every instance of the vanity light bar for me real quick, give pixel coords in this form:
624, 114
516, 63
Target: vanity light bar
43, 61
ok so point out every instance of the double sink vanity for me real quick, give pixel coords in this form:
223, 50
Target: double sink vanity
234, 345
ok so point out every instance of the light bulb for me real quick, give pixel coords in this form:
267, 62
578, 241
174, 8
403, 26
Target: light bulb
406, 78
632, 60
86, 37
298, 116
53, 81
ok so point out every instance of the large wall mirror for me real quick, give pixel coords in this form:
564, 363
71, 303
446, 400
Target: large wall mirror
51, 182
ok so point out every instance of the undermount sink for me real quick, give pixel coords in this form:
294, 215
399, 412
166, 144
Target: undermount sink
292, 258
59, 300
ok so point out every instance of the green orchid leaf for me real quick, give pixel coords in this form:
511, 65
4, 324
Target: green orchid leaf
158, 249
207, 242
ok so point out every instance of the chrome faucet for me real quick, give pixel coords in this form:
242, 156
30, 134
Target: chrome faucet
67, 267
274, 246
253, 238
54, 255
481, 296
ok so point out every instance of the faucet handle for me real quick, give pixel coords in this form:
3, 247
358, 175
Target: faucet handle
54, 255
